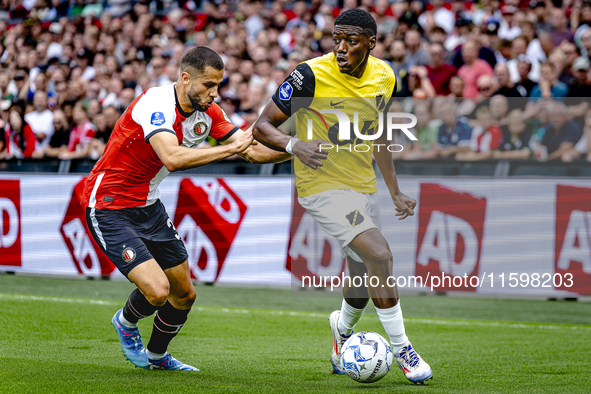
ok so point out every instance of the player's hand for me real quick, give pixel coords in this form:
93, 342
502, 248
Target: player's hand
405, 205
311, 153
243, 142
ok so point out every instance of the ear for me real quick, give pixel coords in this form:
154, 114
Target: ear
372, 43
185, 78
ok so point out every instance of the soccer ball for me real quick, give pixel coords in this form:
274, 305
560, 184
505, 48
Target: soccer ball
366, 357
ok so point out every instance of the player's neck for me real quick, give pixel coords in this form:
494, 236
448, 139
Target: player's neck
359, 71
182, 100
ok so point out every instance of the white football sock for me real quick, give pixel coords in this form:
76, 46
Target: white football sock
154, 356
391, 319
349, 317
125, 322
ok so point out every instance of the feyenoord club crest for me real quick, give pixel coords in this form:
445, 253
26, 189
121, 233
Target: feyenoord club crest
199, 128
128, 255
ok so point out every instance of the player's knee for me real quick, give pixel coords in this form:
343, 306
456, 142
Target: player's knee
381, 259
158, 295
189, 297
186, 298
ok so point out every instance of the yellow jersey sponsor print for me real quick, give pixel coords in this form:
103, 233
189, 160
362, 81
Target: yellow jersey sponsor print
317, 85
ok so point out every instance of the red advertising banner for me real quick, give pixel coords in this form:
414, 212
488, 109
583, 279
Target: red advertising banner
572, 254
10, 223
88, 257
449, 240
207, 218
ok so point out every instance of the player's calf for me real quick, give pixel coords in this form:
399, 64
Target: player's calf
167, 324
383, 294
137, 307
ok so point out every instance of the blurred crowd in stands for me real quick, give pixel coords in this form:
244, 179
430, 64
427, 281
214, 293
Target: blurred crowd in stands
486, 79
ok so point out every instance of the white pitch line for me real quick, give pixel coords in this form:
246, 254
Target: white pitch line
22, 297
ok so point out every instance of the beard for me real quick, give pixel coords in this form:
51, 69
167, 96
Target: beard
195, 101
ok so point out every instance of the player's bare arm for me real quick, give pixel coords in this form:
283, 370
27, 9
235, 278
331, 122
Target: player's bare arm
258, 153
176, 157
404, 204
265, 130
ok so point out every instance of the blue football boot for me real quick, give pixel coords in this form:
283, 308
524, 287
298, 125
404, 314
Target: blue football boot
131, 342
170, 363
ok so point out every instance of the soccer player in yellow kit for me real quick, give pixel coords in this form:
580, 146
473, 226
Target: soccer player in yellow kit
337, 184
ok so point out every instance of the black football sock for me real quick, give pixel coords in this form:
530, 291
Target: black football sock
137, 307
167, 323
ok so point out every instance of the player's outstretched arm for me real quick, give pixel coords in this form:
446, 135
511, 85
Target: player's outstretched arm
175, 157
258, 153
265, 131
265, 128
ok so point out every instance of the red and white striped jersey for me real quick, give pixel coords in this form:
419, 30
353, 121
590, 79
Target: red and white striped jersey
129, 172
81, 135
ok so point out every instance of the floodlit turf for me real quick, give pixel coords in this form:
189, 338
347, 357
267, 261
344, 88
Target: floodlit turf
56, 337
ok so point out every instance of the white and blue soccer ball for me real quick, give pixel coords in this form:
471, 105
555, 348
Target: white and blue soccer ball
366, 357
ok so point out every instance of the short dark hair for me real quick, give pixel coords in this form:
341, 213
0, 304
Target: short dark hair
360, 18
504, 43
198, 58
438, 29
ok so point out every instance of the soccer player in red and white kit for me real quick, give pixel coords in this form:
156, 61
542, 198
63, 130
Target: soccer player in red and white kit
153, 137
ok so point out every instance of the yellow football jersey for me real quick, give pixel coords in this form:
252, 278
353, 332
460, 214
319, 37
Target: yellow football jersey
313, 91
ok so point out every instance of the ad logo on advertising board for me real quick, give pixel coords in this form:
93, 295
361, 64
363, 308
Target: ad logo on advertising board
311, 251
572, 252
207, 218
450, 233
87, 256
10, 223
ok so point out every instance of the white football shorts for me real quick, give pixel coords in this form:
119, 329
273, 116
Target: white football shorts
344, 214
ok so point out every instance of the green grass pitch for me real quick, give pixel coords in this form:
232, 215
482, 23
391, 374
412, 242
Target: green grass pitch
56, 337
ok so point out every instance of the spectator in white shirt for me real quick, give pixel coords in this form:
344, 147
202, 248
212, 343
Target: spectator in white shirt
55, 48
254, 23
41, 120
509, 29
519, 47
82, 61
443, 17
113, 96
534, 48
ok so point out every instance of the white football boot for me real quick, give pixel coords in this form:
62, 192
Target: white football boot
412, 365
338, 341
